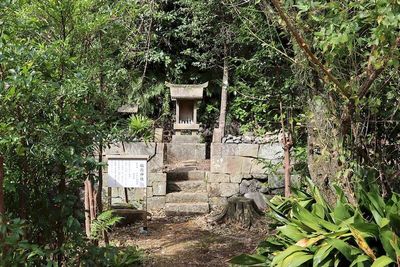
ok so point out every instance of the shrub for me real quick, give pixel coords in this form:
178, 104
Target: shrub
312, 233
141, 127
15, 250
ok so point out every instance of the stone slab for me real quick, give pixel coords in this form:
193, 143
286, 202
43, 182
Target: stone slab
191, 126
159, 188
230, 149
218, 178
140, 148
257, 167
156, 163
236, 178
185, 151
246, 165
232, 164
183, 197
149, 191
215, 150
216, 163
248, 150
157, 177
158, 135
172, 209
222, 189
217, 136
186, 175
186, 139
273, 152
187, 186
156, 203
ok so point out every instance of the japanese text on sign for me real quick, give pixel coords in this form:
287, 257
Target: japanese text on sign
127, 172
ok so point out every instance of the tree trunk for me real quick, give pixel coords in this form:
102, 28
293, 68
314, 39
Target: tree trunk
287, 145
224, 92
91, 202
61, 221
323, 142
100, 187
2, 205
87, 209
239, 210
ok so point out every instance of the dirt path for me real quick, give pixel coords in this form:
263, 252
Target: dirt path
189, 241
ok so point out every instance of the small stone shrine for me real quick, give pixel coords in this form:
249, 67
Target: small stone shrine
186, 142
186, 97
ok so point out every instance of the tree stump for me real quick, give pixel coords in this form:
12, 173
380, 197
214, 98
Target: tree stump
239, 210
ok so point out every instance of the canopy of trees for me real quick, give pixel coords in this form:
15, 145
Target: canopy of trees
66, 66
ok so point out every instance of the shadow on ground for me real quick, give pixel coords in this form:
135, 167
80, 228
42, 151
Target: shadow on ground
190, 241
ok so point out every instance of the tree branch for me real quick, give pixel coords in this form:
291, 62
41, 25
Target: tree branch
306, 48
372, 74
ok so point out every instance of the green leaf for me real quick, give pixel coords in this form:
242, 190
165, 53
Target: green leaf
296, 259
287, 252
347, 250
367, 229
318, 210
359, 259
382, 261
248, 260
385, 236
292, 232
321, 254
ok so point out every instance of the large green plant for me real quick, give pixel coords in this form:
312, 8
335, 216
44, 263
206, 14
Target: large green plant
141, 127
312, 233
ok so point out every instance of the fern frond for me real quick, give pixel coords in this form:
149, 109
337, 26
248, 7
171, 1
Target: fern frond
103, 223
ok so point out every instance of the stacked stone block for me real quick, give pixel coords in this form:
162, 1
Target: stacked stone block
230, 163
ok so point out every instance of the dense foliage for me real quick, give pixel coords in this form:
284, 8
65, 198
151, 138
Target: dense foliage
310, 232
66, 66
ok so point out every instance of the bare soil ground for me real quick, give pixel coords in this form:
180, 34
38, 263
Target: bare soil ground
189, 241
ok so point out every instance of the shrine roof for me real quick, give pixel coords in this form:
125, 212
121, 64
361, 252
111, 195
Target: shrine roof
186, 91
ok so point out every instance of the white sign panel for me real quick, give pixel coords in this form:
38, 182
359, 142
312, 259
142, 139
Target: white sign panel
127, 172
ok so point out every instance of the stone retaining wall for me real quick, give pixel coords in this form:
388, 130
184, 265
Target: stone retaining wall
233, 163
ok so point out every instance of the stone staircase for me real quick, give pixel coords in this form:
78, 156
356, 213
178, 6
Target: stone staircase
186, 193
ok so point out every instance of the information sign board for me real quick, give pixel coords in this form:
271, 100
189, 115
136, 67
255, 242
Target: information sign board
126, 171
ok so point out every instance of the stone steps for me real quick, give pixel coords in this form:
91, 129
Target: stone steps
173, 209
187, 186
184, 197
186, 175
187, 193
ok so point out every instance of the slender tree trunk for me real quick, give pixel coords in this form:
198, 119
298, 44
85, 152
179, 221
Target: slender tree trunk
287, 145
91, 202
287, 170
100, 184
87, 209
2, 205
61, 221
224, 92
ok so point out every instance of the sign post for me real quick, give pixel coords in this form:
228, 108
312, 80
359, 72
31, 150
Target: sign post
129, 171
